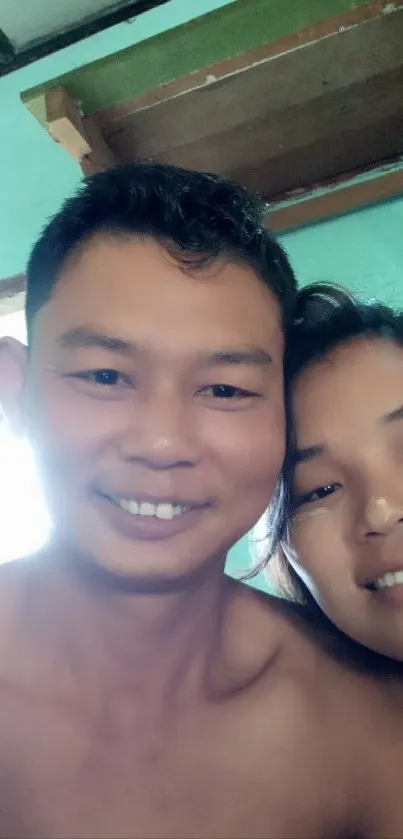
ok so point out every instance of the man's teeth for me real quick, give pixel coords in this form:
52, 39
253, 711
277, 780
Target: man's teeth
145, 508
392, 578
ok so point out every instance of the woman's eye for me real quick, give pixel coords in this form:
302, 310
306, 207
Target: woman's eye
316, 495
228, 392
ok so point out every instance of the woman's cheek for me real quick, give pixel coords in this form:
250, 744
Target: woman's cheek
310, 532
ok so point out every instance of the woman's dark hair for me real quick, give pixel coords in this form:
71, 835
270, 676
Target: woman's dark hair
326, 317
196, 216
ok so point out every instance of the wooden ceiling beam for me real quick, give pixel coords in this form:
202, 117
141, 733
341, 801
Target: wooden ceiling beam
287, 121
156, 63
79, 135
299, 93
243, 68
332, 200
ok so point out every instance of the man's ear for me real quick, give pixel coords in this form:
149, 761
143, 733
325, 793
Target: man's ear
13, 372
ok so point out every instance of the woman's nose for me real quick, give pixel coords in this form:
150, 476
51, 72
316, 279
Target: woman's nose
381, 515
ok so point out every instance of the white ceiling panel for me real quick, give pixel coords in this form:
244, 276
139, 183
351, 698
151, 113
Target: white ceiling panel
27, 22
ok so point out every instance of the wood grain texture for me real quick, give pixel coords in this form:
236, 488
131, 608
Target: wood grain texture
307, 115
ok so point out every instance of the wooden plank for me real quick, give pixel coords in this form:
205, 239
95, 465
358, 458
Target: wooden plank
80, 136
322, 161
65, 124
298, 145
247, 130
220, 35
336, 202
101, 156
217, 74
287, 122
262, 95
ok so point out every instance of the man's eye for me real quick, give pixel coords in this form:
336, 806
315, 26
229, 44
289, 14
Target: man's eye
316, 495
228, 392
105, 378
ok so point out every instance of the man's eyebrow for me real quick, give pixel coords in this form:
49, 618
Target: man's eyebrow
304, 455
253, 356
393, 416
86, 336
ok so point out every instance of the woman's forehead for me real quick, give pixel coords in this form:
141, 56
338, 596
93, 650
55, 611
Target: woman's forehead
358, 380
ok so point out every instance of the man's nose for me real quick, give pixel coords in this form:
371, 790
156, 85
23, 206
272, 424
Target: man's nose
161, 434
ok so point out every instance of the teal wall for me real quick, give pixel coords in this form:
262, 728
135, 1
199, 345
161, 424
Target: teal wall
362, 250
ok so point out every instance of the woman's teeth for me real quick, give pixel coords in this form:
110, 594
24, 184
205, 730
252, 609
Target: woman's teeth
392, 578
145, 508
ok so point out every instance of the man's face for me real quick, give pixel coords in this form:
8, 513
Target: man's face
154, 401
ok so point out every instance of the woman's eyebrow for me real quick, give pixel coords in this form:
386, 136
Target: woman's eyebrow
303, 455
393, 416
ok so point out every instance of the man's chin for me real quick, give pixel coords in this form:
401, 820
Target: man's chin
136, 575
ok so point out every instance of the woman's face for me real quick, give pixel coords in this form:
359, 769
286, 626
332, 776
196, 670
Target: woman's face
347, 521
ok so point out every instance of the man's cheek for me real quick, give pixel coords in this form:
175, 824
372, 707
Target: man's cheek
62, 442
63, 450
57, 425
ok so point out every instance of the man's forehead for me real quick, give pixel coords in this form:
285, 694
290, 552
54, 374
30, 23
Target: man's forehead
142, 259
127, 287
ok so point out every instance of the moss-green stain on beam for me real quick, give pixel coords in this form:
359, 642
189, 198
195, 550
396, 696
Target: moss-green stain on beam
219, 35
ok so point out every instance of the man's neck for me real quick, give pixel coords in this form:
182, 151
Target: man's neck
154, 646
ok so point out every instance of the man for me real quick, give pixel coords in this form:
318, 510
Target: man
142, 693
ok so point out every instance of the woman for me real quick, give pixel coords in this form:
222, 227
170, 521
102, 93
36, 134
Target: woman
342, 495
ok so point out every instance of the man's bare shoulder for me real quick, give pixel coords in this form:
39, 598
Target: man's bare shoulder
307, 706
14, 578
17, 580
287, 658
261, 628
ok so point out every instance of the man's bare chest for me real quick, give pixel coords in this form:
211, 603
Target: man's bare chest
59, 781
186, 802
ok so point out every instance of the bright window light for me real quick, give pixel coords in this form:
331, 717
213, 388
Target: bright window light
24, 523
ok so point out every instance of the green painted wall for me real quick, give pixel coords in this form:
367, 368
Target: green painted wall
363, 250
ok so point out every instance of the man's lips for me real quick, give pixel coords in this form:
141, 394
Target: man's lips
136, 518
143, 496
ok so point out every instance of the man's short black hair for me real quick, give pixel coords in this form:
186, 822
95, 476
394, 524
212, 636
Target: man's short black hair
194, 215
326, 317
